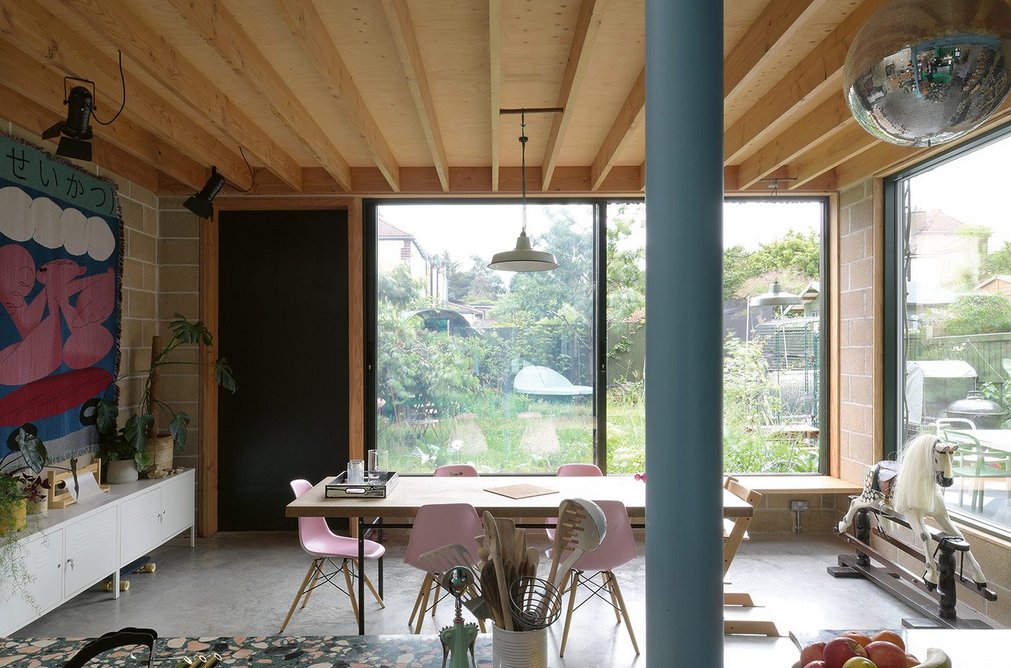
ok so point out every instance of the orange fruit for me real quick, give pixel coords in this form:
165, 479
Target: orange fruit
861, 638
890, 636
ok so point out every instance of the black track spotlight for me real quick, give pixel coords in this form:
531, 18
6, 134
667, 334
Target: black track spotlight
76, 130
202, 203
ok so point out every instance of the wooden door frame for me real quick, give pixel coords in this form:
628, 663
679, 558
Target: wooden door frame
207, 516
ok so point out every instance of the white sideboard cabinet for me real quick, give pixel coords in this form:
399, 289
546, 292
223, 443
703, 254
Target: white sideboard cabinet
75, 548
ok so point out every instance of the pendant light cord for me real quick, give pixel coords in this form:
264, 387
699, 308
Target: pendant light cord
523, 166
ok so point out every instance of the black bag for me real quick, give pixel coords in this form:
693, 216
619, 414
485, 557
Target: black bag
121, 638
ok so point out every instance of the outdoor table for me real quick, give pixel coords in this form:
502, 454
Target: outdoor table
412, 492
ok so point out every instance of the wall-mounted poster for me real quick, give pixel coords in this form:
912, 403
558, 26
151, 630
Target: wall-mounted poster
60, 274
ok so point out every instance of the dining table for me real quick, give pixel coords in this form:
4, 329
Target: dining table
492, 493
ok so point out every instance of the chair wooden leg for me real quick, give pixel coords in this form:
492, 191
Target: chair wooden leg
372, 588
312, 586
573, 586
624, 612
427, 588
350, 585
298, 595
473, 593
417, 601
436, 588
608, 578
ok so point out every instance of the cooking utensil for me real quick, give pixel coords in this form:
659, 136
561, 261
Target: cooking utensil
493, 544
534, 603
581, 528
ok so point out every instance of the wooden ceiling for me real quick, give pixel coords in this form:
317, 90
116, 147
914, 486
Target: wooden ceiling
381, 97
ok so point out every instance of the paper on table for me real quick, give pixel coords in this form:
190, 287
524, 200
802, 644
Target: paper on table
89, 488
521, 491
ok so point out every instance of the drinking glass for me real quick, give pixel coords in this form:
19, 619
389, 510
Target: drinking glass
356, 472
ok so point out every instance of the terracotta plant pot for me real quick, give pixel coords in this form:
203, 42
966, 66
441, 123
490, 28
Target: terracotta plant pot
13, 516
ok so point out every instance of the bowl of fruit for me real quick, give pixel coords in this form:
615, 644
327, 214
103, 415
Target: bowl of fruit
855, 649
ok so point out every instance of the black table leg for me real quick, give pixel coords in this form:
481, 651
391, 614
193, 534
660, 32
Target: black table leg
361, 576
380, 520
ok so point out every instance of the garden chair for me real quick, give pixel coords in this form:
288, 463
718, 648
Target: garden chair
324, 547
617, 549
977, 462
437, 525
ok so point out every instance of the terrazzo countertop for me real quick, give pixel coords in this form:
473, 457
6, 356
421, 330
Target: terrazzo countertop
250, 652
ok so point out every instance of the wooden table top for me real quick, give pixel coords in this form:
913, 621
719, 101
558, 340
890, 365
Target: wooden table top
412, 492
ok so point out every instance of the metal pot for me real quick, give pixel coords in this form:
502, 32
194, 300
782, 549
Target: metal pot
985, 414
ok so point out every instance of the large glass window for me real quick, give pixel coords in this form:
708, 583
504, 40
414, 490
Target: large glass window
480, 366
498, 369
953, 276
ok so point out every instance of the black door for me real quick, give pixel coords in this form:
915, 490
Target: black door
283, 327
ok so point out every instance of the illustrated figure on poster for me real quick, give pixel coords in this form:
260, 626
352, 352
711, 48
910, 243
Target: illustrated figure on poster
923, 471
38, 321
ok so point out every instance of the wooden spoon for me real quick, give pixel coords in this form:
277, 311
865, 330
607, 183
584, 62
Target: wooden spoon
581, 528
494, 546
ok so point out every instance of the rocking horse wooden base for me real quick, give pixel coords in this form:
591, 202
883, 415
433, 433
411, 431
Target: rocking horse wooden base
937, 604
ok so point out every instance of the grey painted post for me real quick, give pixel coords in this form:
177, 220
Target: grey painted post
684, 251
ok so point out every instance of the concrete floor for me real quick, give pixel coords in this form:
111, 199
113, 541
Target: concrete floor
243, 583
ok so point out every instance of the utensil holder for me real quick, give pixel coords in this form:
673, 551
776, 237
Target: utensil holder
519, 649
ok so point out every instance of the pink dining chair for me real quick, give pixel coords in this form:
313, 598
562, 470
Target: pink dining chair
456, 471
571, 471
437, 525
617, 549
324, 546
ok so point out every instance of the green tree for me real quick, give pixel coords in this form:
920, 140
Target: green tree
399, 288
976, 314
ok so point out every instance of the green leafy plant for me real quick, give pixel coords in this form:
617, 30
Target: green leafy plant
18, 468
130, 440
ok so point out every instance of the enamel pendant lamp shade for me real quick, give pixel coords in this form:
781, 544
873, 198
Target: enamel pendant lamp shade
523, 257
776, 296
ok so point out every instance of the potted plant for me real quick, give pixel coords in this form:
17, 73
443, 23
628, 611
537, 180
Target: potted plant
129, 443
27, 454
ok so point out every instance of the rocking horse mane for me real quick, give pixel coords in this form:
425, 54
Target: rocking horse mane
915, 485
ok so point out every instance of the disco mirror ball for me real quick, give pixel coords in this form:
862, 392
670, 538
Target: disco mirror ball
925, 72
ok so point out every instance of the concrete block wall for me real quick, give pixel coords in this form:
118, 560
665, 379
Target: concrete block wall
179, 292
857, 321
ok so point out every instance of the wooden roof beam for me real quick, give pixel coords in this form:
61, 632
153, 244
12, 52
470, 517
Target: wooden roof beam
220, 30
145, 46
43, 36
821, 70
495, 82
851, 141
308, 29
45, 87
817, 126
31, 116
585, 34
629, 118
778, 22
402, 27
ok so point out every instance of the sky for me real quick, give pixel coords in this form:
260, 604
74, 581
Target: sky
973, 189
451, 227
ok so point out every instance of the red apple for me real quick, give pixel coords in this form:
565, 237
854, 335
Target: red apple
840, 650
886, 655
813, 652
815, 664
911, 661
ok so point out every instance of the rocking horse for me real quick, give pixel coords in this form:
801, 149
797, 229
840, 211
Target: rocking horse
913, 488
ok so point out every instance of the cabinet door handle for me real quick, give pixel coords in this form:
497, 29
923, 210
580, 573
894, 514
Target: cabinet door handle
70, 562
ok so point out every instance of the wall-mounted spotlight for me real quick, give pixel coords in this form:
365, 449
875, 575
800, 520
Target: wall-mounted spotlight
202, 203
75, 141
76, 130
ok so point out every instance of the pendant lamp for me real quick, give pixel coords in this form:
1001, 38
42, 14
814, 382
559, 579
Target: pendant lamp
523, 257
776, 296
